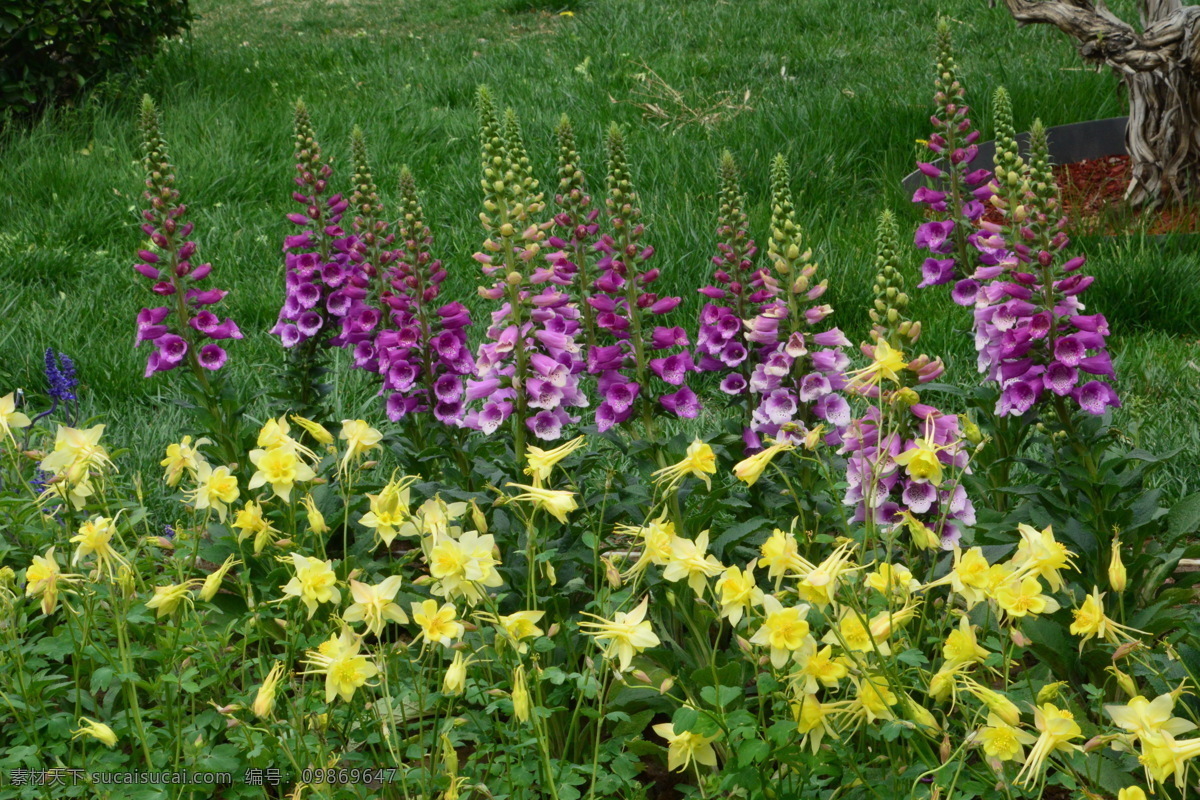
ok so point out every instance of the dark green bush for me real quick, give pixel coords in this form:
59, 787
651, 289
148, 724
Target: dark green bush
52, 48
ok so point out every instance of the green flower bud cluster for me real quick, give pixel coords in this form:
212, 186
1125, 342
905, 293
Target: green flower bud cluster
369, 223
732, 221
890, 309
622, 202
1010, 182
1044, 195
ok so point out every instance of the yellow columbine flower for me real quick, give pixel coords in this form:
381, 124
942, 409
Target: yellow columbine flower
96, 730
814, 720
1057, 728
1002, 741
435, 518
995, 701
1143, 717
275, 434
182, 456
887, 364
892, 579
540, 463
1019, 596
315, 429
656, 537
168, 598
1091, 621
390, 514
95, 538
626, 635
557, 503
520, 695
699, 462
684, 748
375, 605
962, 646
1131, 793
463, 567
251, 522
921, 462
215, 488
819, 666
1038, 553
780, 554
316, 520
42, 578
873, 698
922, 535
282, 468
518, 626
76, 452
818, 584
360, 439
9, 416
344, 669
1162, 757
314, 582
213, 582
969, 576
749, 470
438, 625
690, 559
784, 630
738, 592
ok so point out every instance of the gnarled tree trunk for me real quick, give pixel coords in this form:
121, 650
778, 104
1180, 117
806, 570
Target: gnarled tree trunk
1160, 67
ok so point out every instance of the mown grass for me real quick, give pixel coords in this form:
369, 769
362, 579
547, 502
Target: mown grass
842, 89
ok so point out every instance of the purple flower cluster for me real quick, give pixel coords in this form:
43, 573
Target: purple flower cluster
60, 376
530, 363
959, 251
186, 329
625, 308
723, 343
422, 354
1030, 330
895, 451
799, 376
321, 280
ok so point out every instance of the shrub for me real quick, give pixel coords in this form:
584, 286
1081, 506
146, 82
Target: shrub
55, 47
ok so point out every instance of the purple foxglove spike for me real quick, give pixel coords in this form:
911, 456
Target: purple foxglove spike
1100, 364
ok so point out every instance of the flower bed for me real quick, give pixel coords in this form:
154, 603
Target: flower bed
518, 578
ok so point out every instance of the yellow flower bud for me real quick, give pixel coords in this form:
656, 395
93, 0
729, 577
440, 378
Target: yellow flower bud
520, 695
1118, 579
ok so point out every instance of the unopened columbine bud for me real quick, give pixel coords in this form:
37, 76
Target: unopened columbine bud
1124, 681
641, 675
1117, 577
666, 685
1050, 692
520, 695
478, 518
456, 676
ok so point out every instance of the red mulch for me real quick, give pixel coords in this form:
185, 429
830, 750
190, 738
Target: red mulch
1093, 193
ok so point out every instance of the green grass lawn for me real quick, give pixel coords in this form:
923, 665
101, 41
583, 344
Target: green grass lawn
842, 89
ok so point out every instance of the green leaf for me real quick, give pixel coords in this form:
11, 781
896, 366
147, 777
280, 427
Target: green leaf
1184, 516
720, 696
752, 751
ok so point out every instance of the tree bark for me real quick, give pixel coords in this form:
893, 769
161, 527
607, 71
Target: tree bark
1159, 67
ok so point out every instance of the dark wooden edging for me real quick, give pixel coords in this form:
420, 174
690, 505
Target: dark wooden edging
1068, 143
